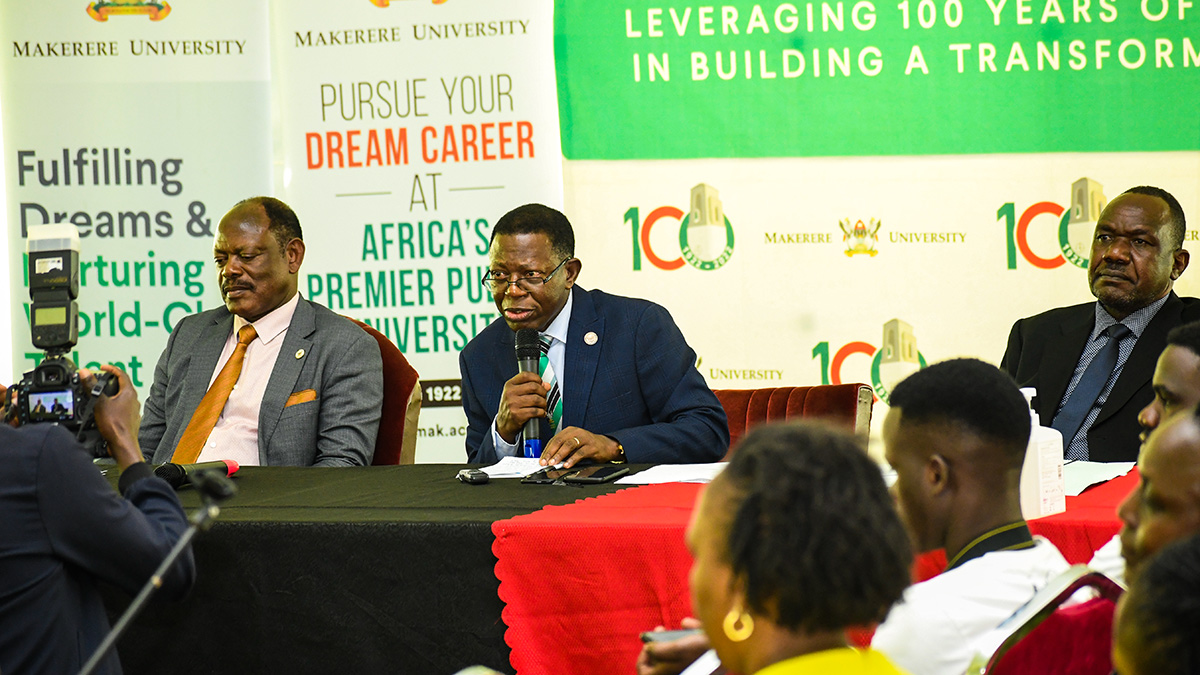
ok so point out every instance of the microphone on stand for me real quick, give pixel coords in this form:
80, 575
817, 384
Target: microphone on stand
179, 475
529, 353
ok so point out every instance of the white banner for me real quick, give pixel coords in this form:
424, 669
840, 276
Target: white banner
406, 130
140, 124
817, 256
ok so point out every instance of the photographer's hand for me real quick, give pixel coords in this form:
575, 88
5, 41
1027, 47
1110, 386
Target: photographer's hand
8, 410
118, 418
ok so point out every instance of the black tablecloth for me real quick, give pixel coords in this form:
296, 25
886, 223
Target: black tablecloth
371, 570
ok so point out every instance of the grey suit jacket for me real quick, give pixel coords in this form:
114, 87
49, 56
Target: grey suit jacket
340, 362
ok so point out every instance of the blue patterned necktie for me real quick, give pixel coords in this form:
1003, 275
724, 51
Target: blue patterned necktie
1071, 417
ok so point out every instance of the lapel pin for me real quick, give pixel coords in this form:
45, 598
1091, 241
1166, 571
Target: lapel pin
299, 353
591, 338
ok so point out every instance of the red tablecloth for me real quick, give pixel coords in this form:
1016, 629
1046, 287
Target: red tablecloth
1089, 521
579, 582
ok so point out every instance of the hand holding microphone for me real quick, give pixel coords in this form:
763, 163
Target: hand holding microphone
524, 398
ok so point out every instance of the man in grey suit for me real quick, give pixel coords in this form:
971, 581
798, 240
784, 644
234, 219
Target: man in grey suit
309, 383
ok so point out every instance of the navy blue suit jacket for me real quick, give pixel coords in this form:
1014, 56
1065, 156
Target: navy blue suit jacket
64, 529
638, 383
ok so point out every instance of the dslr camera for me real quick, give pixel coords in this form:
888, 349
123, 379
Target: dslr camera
53, 391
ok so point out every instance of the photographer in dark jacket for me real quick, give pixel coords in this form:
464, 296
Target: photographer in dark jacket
62, 529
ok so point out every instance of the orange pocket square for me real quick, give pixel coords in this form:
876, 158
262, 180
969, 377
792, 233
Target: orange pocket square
301, 397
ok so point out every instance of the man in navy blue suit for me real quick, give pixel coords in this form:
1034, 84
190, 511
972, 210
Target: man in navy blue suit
627, 380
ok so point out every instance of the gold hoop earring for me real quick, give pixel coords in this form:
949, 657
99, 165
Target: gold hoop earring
738, 625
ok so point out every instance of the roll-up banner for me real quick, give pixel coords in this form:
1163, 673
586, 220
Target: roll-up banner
862, 188
406, 129
139, 123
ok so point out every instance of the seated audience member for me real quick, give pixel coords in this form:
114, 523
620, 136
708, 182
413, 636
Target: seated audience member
309, 383
1091, 363
1176, 380
1158, 621
1176, 389
619, 382
794, 542
64, 529
1165, 506
956, 435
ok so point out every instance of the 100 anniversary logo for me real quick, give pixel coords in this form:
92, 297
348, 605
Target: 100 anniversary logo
705, 233
897, 358
1087, 201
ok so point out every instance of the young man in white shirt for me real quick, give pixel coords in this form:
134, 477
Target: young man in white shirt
956, 435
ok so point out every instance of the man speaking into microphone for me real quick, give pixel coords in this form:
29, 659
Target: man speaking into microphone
616, 381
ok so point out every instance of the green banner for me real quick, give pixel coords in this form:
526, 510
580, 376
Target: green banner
913, 77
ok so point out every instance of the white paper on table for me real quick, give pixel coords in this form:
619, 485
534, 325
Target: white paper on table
1080, 475
514, 467
674, 473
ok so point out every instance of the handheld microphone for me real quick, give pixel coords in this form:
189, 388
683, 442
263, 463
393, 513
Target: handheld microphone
178, 475
529, 353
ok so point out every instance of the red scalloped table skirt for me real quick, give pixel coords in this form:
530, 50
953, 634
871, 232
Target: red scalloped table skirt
579, 582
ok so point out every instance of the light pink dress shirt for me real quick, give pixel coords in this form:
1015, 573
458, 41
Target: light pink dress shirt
235, 435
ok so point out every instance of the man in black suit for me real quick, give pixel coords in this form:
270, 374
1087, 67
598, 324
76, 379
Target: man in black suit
1137, 254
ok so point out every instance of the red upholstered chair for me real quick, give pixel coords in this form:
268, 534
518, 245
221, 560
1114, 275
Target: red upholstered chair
777, 404
1046, 638
756, 412
735, 402
397, 440
846, 405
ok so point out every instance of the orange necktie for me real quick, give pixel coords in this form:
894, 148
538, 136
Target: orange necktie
209, 410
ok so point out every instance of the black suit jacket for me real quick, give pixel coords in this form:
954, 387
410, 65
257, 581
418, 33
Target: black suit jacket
1043, 351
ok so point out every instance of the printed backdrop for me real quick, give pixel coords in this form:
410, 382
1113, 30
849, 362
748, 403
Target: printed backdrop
790, 178
792, 181
399, 132
141, 129
406, 131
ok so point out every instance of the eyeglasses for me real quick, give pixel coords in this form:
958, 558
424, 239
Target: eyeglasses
497, 281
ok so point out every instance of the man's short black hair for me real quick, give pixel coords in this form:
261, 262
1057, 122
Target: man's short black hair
968, 392
1177, 225
1162, 612
283, 223
815, 536
539, 219
1186, 336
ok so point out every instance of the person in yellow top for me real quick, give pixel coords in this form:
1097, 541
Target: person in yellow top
796, 541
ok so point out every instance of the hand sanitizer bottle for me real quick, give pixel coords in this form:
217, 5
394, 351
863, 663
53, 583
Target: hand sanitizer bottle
1042, 491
